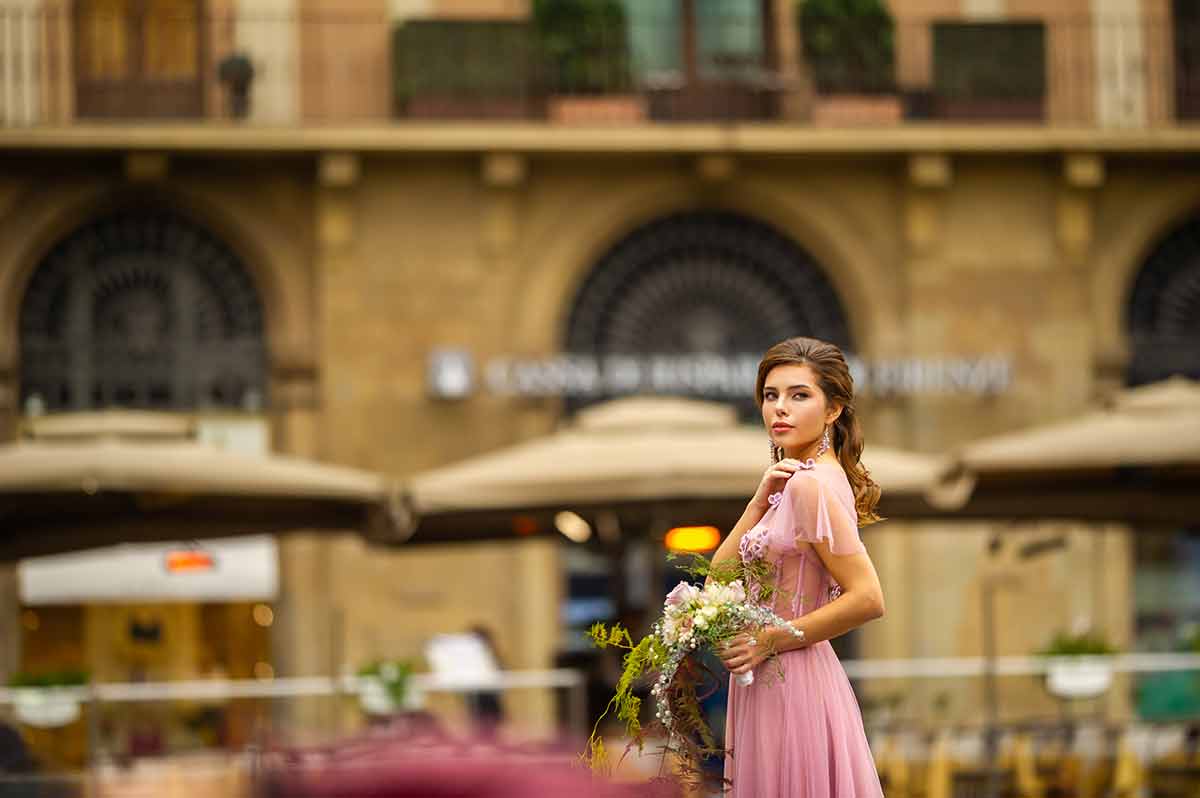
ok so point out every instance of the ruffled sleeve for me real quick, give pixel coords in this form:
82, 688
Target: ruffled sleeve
811, 511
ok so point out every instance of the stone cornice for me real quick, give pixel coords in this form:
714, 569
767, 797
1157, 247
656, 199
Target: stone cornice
531, 138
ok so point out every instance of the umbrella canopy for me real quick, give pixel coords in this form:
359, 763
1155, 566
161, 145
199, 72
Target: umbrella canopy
1152, 426
1136, 458
674, 455
98, 478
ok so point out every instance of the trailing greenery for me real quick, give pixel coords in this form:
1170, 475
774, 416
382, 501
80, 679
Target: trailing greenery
689, 736
849, 45
584, 45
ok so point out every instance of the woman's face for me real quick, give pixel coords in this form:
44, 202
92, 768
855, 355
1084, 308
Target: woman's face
794, 408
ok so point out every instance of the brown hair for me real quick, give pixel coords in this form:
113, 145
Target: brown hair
833, 375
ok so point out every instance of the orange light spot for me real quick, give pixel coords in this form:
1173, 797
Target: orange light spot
524, 524
189, 561
693, 538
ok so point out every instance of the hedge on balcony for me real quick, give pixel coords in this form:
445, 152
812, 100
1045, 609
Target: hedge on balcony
849, 45
467, 67
583, 46
1003, 60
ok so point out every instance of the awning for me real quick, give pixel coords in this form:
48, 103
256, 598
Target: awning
230, 569
1137, 458
101, 478
1150, 426
675, 457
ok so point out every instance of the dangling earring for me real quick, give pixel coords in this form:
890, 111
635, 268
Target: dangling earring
824, 446
775, 458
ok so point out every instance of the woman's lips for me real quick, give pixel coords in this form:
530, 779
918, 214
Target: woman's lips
780, 427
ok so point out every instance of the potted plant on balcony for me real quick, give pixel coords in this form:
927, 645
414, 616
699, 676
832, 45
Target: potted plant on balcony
585, 63
462, 69
1077, 665
48, 699
849, 46
385, 687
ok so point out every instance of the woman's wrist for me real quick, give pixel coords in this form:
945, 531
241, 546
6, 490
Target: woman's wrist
785, 639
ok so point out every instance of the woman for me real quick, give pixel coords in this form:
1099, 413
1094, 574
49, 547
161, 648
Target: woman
800, 735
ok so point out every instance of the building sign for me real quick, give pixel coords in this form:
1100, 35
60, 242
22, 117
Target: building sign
453, 374
230, 569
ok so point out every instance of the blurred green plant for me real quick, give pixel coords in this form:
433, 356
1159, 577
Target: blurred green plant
460, 60
1064, 644
849, 45
394, 674
584, 45
59, 678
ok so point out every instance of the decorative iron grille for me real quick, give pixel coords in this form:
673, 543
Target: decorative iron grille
704, 283
142, 308
1164, 309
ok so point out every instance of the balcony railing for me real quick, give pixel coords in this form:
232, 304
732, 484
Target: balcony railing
176, 59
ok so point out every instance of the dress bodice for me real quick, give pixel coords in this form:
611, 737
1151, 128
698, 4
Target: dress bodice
815, 506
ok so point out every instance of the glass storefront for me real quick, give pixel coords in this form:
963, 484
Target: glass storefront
1167, 618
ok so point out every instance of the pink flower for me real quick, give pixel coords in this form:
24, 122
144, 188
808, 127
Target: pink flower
681, 594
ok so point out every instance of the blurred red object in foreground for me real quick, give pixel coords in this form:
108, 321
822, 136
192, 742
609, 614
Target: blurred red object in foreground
383, 765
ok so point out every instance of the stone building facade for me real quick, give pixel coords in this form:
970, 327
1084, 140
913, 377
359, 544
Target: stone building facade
370, 246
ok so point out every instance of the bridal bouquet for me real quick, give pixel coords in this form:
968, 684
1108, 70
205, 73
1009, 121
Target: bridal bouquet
694, 619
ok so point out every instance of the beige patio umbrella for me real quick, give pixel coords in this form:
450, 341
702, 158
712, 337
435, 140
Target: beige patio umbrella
675, 457
91, 479
1135, 458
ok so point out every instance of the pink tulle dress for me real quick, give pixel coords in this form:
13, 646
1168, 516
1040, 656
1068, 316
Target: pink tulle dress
800, 735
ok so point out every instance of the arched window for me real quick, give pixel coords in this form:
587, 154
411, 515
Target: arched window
704, 283
1163, 314
141, 308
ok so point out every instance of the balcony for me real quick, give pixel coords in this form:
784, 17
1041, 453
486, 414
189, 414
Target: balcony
621, 64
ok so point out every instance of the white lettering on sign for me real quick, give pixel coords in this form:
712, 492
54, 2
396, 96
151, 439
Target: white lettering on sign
724, 377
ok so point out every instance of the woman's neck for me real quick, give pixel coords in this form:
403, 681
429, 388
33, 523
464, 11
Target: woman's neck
809, 452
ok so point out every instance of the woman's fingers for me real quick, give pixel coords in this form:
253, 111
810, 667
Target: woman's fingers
739, 654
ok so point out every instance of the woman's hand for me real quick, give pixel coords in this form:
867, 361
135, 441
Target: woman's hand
746, 651
773, 481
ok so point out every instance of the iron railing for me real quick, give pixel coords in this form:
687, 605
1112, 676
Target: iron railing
65, 66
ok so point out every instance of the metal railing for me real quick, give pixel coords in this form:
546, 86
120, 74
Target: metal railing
910, 751
59, 67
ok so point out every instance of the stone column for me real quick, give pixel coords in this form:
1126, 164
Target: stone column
10, 622
539, 582
503, 176
10, 606
306, 636
1083, 176
796, 98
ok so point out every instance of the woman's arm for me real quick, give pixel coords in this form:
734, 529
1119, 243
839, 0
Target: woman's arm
775, 477
861, 601
729, 546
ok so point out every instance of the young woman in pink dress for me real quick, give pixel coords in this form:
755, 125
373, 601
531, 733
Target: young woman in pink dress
800, 735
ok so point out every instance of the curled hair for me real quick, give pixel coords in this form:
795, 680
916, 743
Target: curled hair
833, 375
